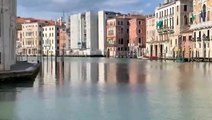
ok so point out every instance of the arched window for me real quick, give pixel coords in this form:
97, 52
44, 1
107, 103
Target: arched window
177, 20
208, 16
203, 13
185, 20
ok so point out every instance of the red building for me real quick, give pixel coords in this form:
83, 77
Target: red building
137, 35
126, 35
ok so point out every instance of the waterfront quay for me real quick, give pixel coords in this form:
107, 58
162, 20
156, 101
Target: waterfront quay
111, 89
20, 72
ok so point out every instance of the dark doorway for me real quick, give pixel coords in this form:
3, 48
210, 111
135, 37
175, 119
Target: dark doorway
173, 54
151, 50
156, 50
161, 51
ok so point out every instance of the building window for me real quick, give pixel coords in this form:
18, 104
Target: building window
172, 22
184, 38
139, 22
139, 40
177, 20
203, 13
167, 12
122, 30
208, 16
121, 22
190, 38
172, 10
208, 35
186, 20
122, 41
119, 41
139, 31
200, 36
177, 8
185, 8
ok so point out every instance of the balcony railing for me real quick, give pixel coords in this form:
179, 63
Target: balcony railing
206, 38
111, 44
201, 25
198, 39
166, 30
193, 39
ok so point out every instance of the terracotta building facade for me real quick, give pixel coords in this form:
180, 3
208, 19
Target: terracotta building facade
137, 36
126, 35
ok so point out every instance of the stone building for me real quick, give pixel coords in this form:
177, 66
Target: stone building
7, 33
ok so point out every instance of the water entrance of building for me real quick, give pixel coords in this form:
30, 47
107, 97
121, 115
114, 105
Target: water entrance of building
156, 50
151, 50
161, 51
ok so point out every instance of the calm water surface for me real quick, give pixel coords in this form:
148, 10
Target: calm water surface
112, 89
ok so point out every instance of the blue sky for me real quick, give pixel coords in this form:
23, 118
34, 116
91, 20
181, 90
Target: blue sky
52, 9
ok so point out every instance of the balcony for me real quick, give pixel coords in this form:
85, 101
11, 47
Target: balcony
193, 39
202, 25
165, 30
206, 38
111, 43
198, 39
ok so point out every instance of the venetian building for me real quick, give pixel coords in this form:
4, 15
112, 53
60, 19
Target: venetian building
202, 24
172, 18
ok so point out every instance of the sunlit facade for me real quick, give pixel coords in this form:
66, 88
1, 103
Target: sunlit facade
172, 17
50, 44
84, 33
202, 24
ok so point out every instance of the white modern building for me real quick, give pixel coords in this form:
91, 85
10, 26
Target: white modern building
84, 33
7, 33
50, 44
103, 16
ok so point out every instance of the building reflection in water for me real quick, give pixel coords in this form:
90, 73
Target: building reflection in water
103, 73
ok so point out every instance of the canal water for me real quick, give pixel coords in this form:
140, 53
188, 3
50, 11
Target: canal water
112, 89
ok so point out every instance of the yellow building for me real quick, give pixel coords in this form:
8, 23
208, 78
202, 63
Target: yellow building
202, 24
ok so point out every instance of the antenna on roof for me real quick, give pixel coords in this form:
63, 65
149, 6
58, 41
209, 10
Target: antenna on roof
63, 19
